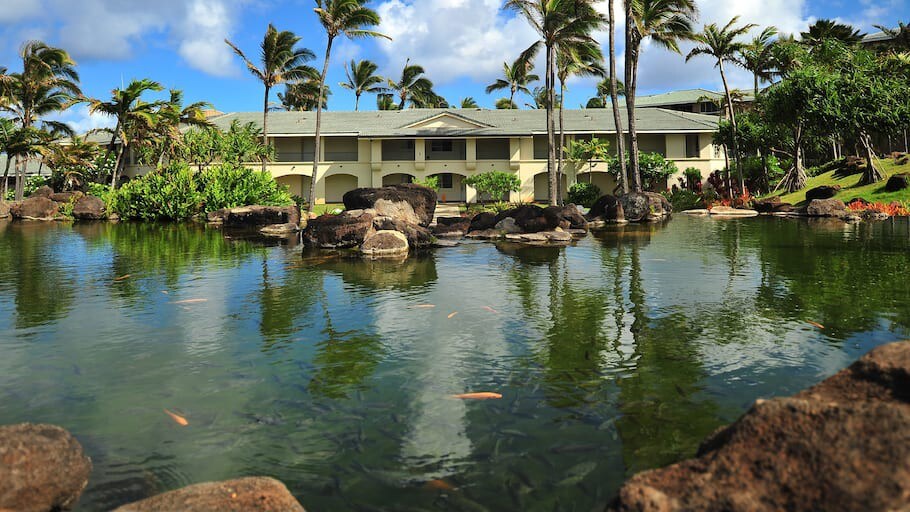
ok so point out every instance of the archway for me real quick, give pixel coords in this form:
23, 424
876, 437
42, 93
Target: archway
451, 187
603, 180
396, 179
337, 185
297, 184
542, 187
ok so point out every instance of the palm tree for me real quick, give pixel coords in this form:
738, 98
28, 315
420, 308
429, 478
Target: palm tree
469, 102
723, 46
386, 101
131, 114
602, 94
505, 104
72, 160
900, 37
540, 96
412, 86
557, 22
515, 78
46, 85
301, 96
615, 91
281, 62
666, 23
581, 59
338, 17
362, 78
823, 30
757, 57
171, 115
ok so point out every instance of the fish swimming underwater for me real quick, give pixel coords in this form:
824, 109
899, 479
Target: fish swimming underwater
180, 420
485, 395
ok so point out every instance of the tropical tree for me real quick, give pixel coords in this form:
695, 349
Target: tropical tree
601, 98
666, 23
515, 77
301, 96
338, 17
132, 116
71, 161
386, 101
362, 78
412, 86
163, 138
826, 30
900, 36
47, 84
556, 22
580, 59
723, 45
505, 104
615, 89
469, 102
281, 62
757, 58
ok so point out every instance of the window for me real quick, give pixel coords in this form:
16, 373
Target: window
398, 150
441, 146
341, 149
445, 181
446, 149
541, 147
493, 149
709, 107
692, 146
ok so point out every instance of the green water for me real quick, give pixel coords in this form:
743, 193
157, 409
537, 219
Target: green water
614, 355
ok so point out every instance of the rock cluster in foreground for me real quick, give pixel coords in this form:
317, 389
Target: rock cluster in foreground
843, 444
255, 494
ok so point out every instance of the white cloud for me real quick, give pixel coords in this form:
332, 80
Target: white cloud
81, 120
110, 29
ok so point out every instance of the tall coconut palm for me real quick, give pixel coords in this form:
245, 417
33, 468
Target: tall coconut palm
758, 59
581, 59
385, 101
666, 23
412, 86
557, 22
723, 45
281, 62
515, 77
131, 115
615, 91
301, 96
338, 17
47, 84
601, 98
823, 30
469, 102
166, 138
505, 104
362, 78
72, 160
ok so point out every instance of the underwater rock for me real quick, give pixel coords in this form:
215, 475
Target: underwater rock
42, 468
246, 494
841, 445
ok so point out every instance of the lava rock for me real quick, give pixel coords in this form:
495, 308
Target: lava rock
383, 244
421, 199
607, 208
841, 445
279, 229
255, 494
822, 192
418, 236
89, 208
567, 217
451, 226
530, 218
483, 221
35, 208
558, 237
346, 230
826, 208
645, 206
4, 209
508, 226
42, 468
399, 210
42, 191
257, 216
65, 197
898, 182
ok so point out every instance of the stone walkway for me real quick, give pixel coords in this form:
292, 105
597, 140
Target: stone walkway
446, 210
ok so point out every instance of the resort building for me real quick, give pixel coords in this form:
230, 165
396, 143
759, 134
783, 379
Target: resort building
379, 148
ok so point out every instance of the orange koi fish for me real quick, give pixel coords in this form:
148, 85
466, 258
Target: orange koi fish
452, 315
190, 301
180, 420
815, 324
425, 306
491, 310
123, 278
439, 485
485, 395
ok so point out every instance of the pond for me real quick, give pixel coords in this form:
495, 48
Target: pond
334, 375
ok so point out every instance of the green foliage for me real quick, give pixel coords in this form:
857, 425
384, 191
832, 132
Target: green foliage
33, 183
494, 184
230, 186
584, 194
431, 182
169, 193
239, 144
693, 177
683, 200
655, 169
100, 190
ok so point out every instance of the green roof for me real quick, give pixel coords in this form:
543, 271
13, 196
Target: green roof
486, 123
683, 97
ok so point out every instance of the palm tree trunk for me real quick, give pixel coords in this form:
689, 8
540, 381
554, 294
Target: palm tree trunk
631, 65
9, 160
318, 143
118, 164
562, 142
614, 99
357, 102
871, 174
736, 156
20, 177
551, 131
265, 123
512, 98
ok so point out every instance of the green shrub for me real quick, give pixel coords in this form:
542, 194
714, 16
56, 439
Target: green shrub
431, 182
494, 184
683, 200
100, 190
584, 194
654, 169
693, 178
231, 185
169, 193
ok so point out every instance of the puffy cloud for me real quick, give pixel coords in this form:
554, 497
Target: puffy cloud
12, 11
208, 23
81, 120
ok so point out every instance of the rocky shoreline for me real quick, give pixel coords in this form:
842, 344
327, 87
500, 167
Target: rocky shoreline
842, 445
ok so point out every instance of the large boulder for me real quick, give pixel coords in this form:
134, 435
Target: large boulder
822, 192
4, 209
399, 210
42, 468
898, 182
567, 217
826, 208
842, 445
255, 494
607, 208
346, 230
35, 208
42, 191
451, 226
530, 218
422, 200
418, 236
645, 206
65, 197
89, 208
258, 216
483, 221
385, 244
772, 205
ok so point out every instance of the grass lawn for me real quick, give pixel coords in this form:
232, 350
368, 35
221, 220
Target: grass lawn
849, 191
321, 209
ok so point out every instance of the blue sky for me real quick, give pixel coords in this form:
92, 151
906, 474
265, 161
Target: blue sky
461, 43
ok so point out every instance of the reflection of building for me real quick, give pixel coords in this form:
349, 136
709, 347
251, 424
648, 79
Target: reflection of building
369, 149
